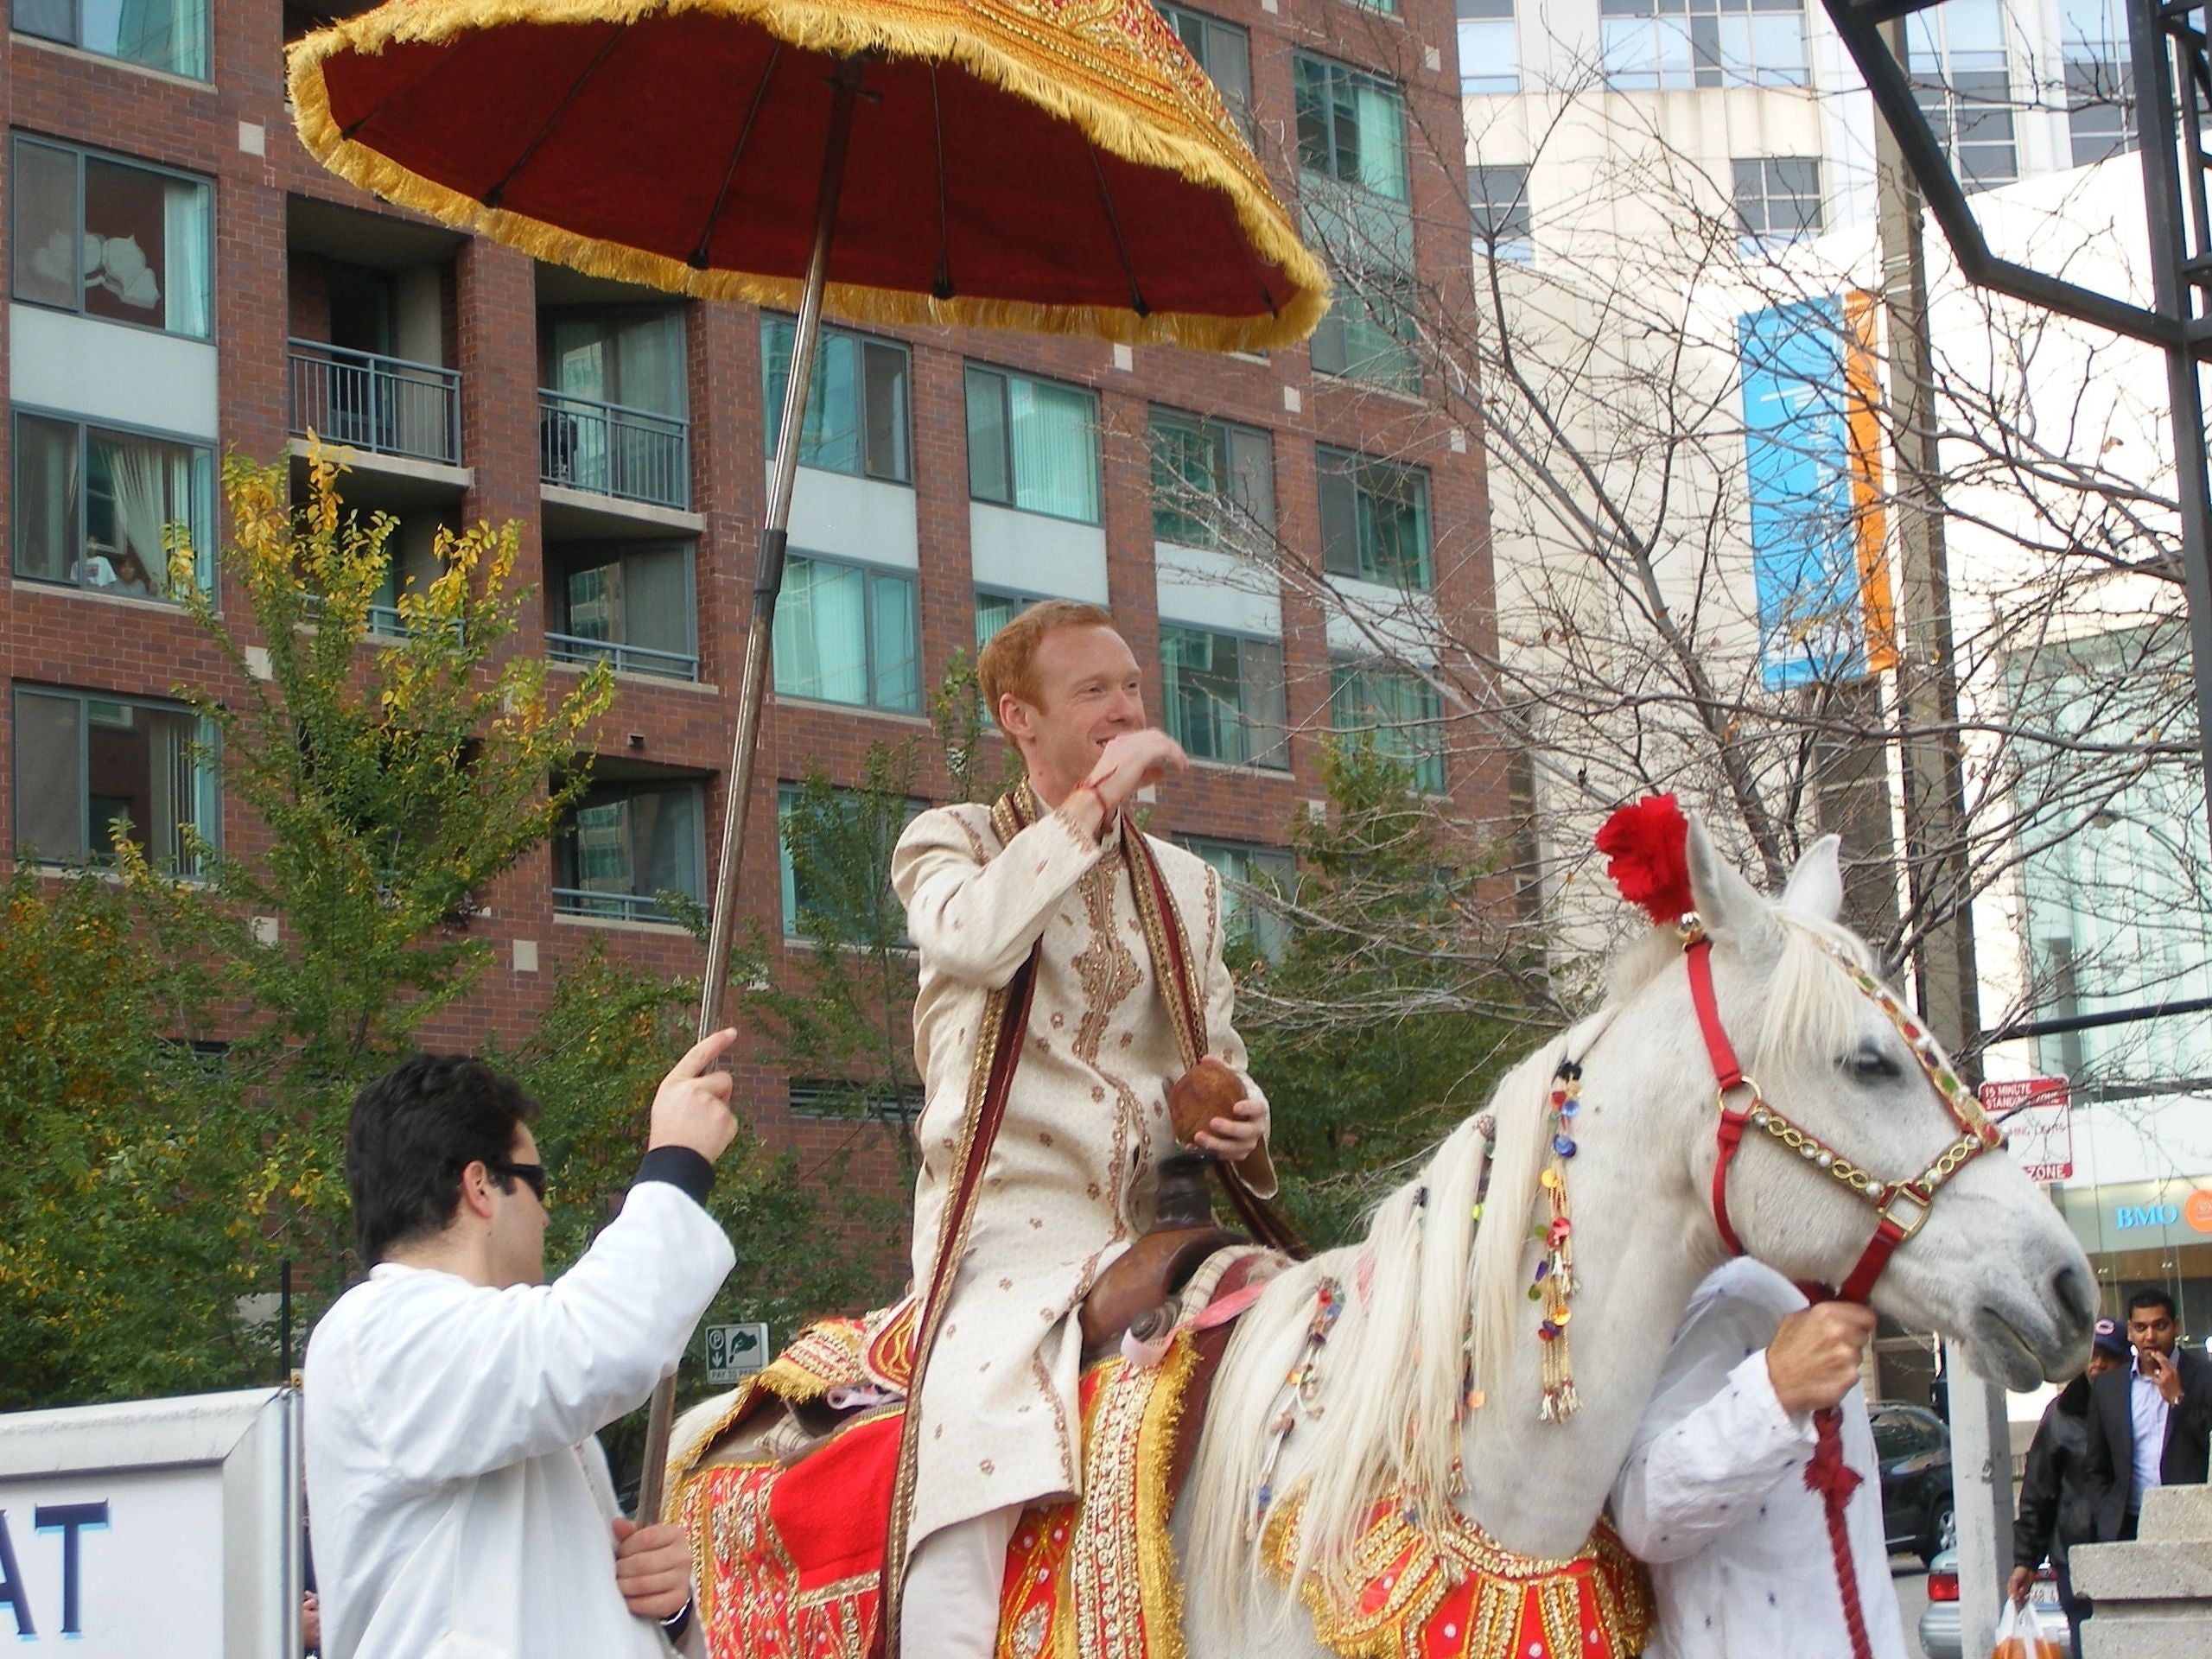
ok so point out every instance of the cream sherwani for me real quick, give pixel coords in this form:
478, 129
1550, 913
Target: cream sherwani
1072, 1178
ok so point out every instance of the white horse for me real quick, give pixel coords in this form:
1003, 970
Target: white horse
1992, 1267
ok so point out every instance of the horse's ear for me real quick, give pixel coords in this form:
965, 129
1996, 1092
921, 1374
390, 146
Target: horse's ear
1815, 888
1734, 912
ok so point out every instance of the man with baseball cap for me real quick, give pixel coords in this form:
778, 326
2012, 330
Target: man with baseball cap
2055, 1514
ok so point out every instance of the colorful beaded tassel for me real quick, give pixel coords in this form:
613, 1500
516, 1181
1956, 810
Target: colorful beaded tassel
1555, 1281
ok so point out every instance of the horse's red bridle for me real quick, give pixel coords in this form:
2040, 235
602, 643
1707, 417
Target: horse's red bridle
1900, 1207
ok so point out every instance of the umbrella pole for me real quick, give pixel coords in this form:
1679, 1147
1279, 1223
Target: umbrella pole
768, 583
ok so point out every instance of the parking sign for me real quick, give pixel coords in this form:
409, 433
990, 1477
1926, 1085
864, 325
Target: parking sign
2037, 1118
735, 1352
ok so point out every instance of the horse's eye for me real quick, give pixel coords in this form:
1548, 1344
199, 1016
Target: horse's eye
1871, 1065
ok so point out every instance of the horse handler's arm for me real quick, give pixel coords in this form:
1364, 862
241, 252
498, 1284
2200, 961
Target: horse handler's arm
1712, 1444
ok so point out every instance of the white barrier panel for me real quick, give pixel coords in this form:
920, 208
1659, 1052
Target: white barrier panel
167, 1527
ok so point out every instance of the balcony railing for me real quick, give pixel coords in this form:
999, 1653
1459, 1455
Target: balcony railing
609, 449
609, 907
383, 405
625, 659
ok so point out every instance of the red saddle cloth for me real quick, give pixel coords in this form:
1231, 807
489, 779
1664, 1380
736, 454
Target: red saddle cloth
789, 1557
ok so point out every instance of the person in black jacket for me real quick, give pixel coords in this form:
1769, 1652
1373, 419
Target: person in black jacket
2054, 1513
2150, 1423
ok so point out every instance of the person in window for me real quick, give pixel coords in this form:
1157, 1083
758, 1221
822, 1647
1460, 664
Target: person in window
462, 1500
2054, 1511
2150, 1422
130, 576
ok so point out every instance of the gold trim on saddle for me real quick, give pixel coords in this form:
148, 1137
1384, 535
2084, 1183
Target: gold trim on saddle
1449, 1589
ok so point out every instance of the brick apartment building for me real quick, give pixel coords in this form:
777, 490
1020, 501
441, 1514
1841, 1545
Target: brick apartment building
186, 279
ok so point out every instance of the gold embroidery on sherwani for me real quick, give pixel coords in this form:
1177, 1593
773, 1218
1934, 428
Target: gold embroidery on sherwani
1107, 970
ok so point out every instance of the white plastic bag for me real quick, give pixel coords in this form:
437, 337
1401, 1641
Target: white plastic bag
2026, 1631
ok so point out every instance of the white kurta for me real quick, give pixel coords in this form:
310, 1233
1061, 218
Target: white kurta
459, 1501
1713, 1498
1072, 1176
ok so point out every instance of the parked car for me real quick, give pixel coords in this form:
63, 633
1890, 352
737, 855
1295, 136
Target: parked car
1939, 1620
1913, 1448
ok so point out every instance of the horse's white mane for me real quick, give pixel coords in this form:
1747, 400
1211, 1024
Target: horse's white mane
1428, 1280
1425, 1281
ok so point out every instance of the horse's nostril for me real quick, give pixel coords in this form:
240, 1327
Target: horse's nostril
2076, 1293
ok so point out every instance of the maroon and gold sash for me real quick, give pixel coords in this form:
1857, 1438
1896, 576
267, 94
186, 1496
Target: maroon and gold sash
990, 1080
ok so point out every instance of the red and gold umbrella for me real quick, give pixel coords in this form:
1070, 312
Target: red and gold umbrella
1056, 165
1061, 166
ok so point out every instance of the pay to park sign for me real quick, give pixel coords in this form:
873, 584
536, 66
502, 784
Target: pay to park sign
168, 1527
735, 1352
2037, 1118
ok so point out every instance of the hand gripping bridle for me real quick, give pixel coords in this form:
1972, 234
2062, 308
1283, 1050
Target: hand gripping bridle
1900, 1206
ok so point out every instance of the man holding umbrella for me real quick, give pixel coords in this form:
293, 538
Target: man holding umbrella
1051, 898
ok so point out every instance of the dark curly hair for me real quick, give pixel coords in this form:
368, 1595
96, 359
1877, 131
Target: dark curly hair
411, 1134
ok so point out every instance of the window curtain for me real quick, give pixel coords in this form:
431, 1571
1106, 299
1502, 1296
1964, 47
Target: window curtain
143, 478
821, 645
993, 612
896, 650
186, 253
649, 362
666, 847
1378, 120
602, 848
1266, 715
657, 600
172, 790
1055, 450
50, 777
45, 499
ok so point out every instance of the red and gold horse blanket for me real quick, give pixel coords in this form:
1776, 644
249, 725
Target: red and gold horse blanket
788, 1558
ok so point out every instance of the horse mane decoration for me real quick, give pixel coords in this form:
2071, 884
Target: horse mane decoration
1646, 845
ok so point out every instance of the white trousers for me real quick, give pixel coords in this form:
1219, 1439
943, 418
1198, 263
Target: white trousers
953, 1578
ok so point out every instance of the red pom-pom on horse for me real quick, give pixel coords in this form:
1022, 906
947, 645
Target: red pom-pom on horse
1646, 845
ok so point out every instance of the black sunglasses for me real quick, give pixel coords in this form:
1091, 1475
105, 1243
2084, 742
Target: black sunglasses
530, 1175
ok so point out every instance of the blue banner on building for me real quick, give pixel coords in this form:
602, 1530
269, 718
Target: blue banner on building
1805, 383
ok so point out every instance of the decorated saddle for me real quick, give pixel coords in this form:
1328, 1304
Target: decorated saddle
785, 1489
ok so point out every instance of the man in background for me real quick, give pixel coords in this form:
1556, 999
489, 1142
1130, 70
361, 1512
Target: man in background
2150, 1422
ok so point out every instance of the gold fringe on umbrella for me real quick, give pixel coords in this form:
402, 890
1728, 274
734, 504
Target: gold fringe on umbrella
1006, 43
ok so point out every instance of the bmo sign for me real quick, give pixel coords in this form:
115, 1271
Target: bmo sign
168, 1527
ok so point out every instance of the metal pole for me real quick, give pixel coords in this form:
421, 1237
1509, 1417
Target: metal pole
767, 582
2158, 89
1935, 809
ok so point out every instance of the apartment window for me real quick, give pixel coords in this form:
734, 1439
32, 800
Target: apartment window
1224, 696
836, 868
1961, 79
1369, 333
1374, 520
1668, 45
836, 1097
848, 634
628, 605
611, 404
1224, 51
628, 844
856, 411
1352, 126
1497, 199
1777, 197
2100, 79
171, 36
994, 610
1400, 713
1207, 473
111, 238
1250, 876
1033, 444
97, 508
1490, 46
89, 767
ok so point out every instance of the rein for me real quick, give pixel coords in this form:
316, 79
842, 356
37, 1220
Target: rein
1826, 1473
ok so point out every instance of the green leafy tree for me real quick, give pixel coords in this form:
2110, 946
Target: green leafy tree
1370, 1030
